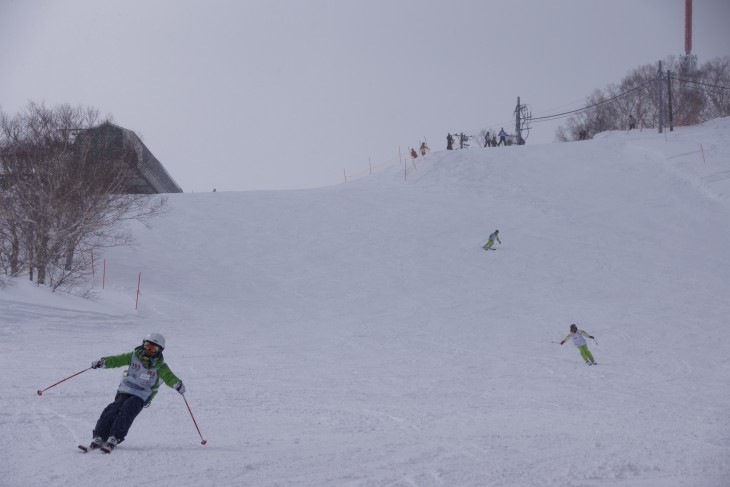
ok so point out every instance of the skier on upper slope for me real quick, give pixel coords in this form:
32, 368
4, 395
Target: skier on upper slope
494, 236
146, 368
580, 342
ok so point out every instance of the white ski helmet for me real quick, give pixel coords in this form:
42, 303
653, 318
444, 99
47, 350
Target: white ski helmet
155, 338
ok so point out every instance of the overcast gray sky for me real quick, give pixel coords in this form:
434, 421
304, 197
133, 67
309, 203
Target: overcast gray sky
283, 94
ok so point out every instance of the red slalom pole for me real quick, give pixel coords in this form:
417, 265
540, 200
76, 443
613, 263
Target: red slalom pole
139, 281
202, 441
40, 392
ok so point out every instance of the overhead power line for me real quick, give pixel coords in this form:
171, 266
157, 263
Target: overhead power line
556, 116
701, 84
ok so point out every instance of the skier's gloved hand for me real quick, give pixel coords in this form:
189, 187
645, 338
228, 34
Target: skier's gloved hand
97, 364
179, 387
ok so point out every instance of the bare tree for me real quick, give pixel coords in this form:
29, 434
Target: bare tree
10, 236
715, 78
59, 198
698, 97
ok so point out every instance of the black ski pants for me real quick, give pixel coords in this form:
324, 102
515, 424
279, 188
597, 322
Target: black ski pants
117, 417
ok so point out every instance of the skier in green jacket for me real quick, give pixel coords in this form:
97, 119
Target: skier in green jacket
146, 369
580, 342
494, 236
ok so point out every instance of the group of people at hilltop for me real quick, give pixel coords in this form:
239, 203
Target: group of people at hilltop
490, 140
501, 138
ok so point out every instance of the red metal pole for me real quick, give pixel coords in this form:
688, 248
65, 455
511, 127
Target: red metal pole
687, 27
40, 391
139, 280
202, 441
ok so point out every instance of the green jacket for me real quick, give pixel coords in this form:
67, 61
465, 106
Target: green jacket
158, 364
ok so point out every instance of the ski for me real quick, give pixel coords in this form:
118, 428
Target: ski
105, 449
87, 449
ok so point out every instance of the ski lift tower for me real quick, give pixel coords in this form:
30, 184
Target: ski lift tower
522, 122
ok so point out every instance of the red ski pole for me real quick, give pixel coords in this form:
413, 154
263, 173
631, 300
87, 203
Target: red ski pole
202, 441
40, 392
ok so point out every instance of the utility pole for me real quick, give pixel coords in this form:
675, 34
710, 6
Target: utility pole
518, 128
687, 69
661, 98
522, 119
669, 99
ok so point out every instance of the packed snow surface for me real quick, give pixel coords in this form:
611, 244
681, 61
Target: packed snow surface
358, 335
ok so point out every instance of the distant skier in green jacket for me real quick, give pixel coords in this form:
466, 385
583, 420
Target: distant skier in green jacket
146, 370
580, 342
494, 236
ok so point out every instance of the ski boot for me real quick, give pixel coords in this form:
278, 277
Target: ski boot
111, 443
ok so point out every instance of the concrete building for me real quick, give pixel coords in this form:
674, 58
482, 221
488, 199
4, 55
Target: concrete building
112, 144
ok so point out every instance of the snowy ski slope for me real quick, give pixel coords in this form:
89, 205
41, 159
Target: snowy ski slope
358, 335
